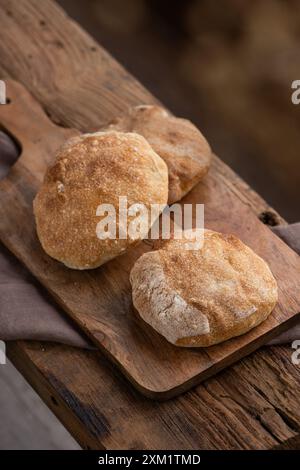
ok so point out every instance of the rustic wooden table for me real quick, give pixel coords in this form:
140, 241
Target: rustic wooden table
252, 405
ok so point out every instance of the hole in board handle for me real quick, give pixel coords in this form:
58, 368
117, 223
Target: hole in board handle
10, 150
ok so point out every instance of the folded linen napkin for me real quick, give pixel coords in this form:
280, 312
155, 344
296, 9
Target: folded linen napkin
27, 311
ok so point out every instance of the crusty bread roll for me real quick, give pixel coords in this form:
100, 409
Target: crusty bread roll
90, 170
177, 141
206, 296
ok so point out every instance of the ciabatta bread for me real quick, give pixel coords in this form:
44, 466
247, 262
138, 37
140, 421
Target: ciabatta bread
177, 141
91, 170
205, 296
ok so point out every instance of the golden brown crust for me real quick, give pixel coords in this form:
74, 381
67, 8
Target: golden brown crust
206, 296
177, 141
90, 170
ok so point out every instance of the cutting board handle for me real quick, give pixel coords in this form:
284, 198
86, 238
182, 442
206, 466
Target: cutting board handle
25, 120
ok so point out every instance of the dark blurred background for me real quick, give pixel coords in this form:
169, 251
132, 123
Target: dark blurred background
228, 66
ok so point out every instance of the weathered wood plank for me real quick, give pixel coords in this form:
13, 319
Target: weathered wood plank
251, 405
98, 406
62, 66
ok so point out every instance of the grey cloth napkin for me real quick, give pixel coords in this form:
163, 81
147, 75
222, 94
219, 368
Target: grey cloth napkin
290, 234
27, 311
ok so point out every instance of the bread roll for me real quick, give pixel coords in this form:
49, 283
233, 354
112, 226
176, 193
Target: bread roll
90, 170
177, 141
206, 296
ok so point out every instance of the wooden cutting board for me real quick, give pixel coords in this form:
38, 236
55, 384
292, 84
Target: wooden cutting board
99, 301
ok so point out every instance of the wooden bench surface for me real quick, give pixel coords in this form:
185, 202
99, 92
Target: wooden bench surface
253, 404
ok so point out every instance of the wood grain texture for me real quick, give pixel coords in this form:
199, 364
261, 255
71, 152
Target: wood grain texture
99, 408
99, 300
251, 405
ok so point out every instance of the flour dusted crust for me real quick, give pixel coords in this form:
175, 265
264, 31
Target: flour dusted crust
177, 141
90, 170
205, 296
